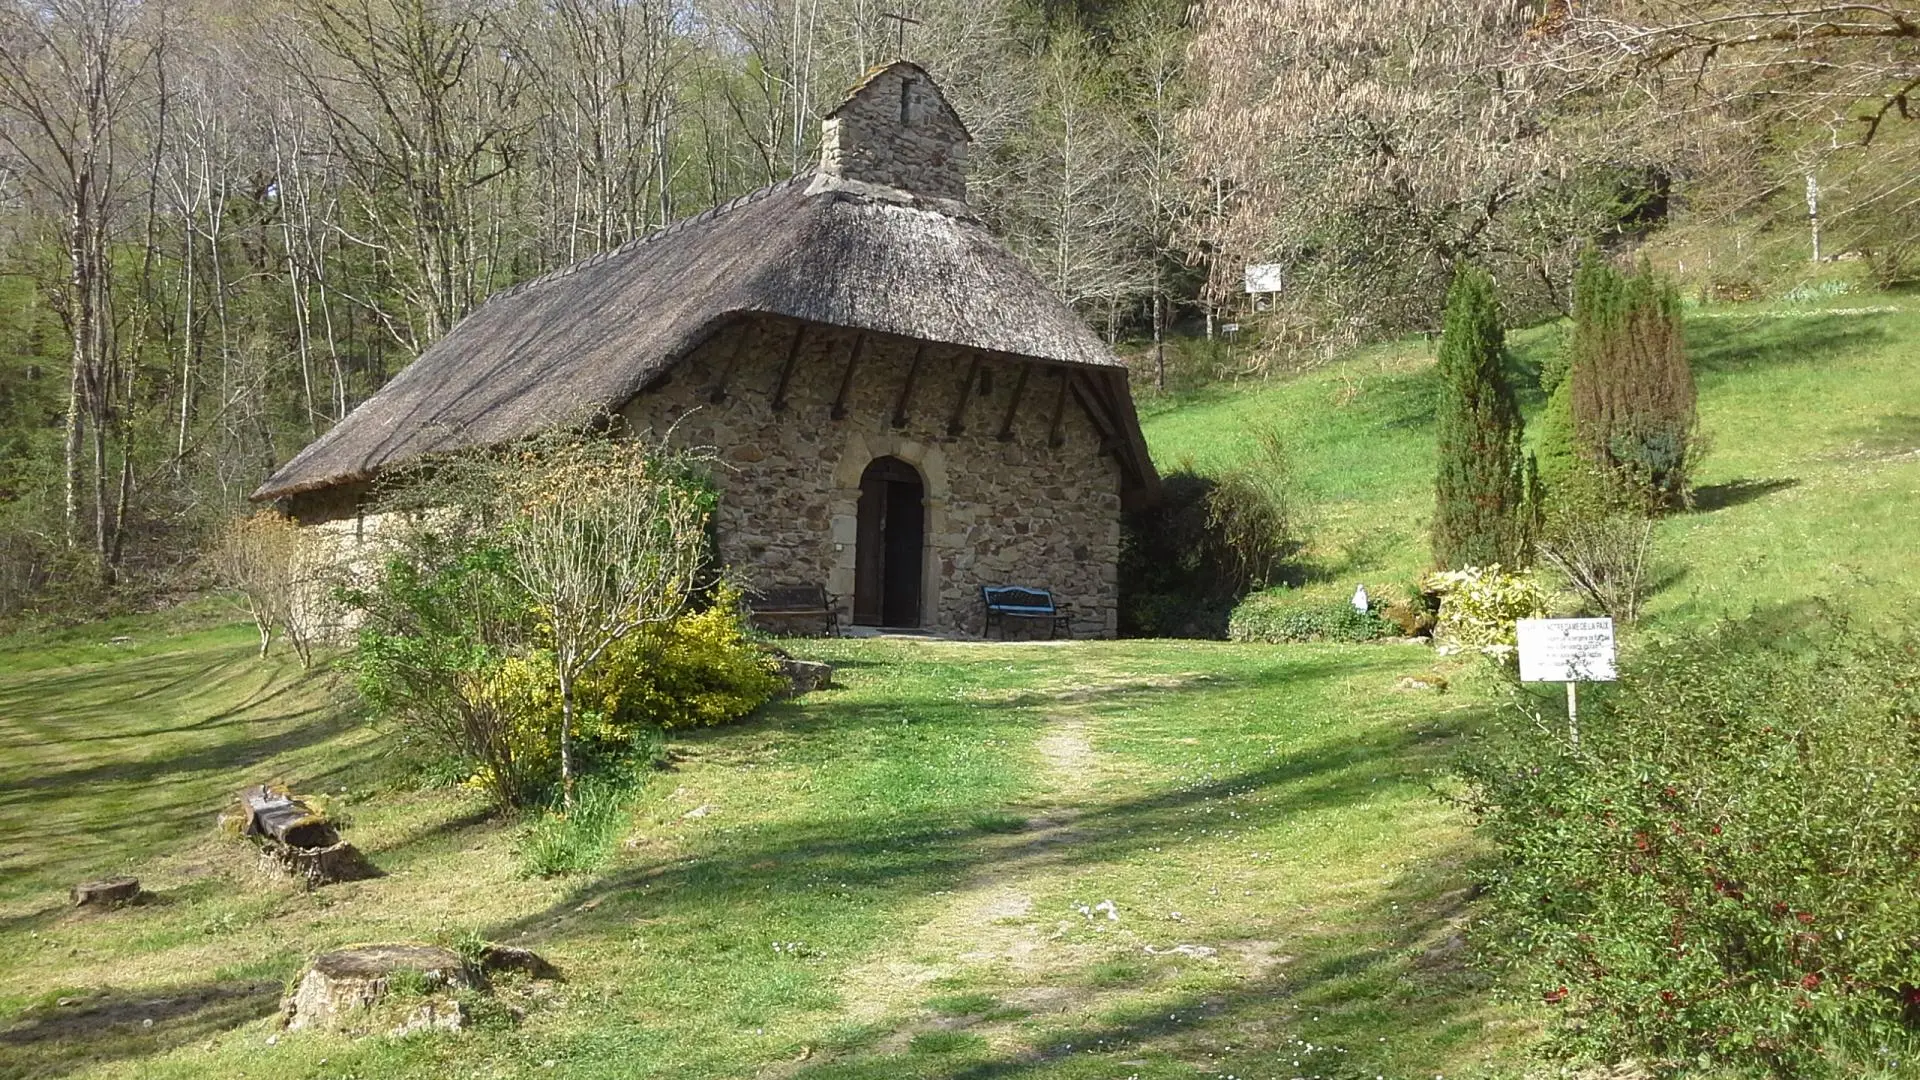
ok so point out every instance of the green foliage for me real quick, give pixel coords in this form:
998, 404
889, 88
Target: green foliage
1632, 393
1288, 615
1482, 512
438, 625
1208, 542
1723, 870
456, 646
1479, 605
579, 838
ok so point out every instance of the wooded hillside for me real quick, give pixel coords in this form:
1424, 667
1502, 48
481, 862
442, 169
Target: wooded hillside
222, 226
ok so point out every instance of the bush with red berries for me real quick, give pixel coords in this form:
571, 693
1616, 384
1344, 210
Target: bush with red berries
1723, 869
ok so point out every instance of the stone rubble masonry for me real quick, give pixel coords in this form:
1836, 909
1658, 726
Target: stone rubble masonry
897, 130
1013, 512
999, 512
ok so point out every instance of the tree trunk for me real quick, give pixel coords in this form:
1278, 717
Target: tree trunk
566, 733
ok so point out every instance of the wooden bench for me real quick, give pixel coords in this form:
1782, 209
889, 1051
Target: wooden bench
797, 602
1005, 602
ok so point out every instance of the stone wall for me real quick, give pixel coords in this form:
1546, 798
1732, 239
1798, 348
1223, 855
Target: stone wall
897, 130
999, 512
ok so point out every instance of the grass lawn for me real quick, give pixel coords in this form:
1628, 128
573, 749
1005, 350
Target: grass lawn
1083, 860
900, 877
1811, 411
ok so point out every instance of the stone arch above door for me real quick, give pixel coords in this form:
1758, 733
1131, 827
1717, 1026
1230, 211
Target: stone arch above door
860, 451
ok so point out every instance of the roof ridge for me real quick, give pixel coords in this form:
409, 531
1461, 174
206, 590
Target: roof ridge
661, 233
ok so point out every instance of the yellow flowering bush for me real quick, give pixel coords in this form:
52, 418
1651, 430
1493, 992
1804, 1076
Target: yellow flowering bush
698, 670
1479, 605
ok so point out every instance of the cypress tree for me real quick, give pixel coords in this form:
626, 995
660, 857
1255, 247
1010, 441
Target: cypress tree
1483, 493
1631, 388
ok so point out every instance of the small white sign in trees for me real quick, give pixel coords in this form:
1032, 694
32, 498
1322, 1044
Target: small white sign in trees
1571, 651
1266, 278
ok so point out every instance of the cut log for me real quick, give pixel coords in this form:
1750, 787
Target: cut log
336, 991
279, 816
108, 892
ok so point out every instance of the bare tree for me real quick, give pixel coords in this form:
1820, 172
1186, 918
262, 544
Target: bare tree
1369, 148
606, 537
1824, 81
71, 73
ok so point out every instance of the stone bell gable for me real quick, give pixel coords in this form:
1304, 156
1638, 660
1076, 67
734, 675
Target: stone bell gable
896, 129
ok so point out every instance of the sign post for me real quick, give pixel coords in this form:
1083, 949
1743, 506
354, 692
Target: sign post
1571, 651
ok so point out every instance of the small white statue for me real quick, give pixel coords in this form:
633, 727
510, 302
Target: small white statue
1361, 602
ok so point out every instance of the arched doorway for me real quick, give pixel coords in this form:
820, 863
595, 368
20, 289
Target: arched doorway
890, 546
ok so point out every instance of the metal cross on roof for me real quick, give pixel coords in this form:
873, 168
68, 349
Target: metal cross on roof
901, 23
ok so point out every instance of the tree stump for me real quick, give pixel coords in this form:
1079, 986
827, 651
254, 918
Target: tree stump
277, 815
337, 991
107, 892
295, 839
319, 866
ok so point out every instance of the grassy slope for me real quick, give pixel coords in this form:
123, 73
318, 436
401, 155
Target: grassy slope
1813, 413
929, 832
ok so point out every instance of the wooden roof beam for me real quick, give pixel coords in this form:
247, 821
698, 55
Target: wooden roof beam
957, 423
1056, 434
786, 370
839, 411
719, 393
1013, 407
901, 405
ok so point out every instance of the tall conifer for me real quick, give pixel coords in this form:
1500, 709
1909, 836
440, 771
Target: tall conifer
1482, 508
1631, 388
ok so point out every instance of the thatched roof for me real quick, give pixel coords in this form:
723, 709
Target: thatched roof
816, 247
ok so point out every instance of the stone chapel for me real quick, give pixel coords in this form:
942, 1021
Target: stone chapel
903, 411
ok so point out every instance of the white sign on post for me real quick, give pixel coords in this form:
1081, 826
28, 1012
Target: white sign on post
1266, 278
1565, 650
1571, 651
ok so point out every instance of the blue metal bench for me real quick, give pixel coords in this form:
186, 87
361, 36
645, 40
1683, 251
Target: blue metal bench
1005, 602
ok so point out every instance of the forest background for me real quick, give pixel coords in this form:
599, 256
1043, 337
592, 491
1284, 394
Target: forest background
223, 225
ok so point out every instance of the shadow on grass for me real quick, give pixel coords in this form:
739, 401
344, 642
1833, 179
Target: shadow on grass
1890, 435
118, 1025
1736, 344
1737, 492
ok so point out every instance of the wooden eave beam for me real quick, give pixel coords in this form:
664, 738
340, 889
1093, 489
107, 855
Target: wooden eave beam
786, 370
719, 393
905, 400
1013, 407
957, 423
839, 411
1055, 435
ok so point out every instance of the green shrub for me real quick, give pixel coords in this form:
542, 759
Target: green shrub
1631, 389
1478, 607
1726, 870
1286, 615
697, 671
1209, 541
